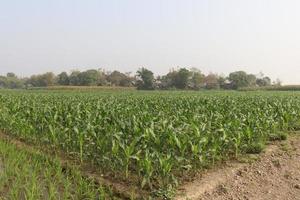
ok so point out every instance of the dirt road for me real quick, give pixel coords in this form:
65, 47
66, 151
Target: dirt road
273, 175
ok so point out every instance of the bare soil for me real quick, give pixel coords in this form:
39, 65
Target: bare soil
272, 175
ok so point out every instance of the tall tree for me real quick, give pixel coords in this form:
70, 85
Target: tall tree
89, 77
146, 79
117, 78
63, 79
182, 78
251, 79
11, 75
264, 81
238, 79
212, 81
73, 78
42, 80
197, 80
168, 81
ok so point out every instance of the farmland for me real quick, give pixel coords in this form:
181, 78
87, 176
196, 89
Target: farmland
152, 140
32, 175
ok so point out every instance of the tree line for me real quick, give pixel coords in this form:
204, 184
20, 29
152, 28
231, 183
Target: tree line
143, 79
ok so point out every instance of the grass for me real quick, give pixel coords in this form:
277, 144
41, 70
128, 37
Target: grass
278, 137
34, 176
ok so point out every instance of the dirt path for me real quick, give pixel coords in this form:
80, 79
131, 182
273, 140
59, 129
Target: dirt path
275, 175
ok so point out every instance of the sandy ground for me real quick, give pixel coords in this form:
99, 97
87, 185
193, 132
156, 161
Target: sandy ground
273, 175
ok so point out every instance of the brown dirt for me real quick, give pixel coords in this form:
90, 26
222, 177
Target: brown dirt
273, 175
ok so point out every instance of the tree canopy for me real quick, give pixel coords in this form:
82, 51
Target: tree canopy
181, 79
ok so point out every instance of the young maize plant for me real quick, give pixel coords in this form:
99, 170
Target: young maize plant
156, 137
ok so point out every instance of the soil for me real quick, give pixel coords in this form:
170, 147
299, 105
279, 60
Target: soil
272, 175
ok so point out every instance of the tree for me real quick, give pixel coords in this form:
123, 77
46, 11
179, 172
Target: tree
251, 80
182, 78
223, 82
212, 81
197, 79
238, 79
89, 77
11, 81
11, 75
63, 79
42, 80
48, 78
146, 79
3, 82
168, 81
73, 78
101, 80
264, 81
117, 78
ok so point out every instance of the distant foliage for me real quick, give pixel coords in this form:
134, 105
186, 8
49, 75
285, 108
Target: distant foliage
11, 81
42, 80
144, 79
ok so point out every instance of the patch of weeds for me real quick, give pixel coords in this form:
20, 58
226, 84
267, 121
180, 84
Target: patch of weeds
165, 193
285, 147
295, 126
254, 148
278, 137
248, 158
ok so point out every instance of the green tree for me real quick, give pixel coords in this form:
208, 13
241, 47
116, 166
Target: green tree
238, 79
42, 80
11, 81
63, 79
212, 81
15, 83
3, 82
117, 78
223, 82
182, 78
73, 78
11, 75
49, 78
264, 81
251, 79
89, 77
197, 79
168, 81
145, 79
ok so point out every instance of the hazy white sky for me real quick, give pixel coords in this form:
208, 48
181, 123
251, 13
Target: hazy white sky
220, 36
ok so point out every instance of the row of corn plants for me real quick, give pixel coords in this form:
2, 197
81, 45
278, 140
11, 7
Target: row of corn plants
31, 175
152, 138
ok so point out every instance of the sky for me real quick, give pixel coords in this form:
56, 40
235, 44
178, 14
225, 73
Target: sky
218, 36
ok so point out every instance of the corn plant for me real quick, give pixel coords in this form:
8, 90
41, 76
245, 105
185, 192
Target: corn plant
156, 137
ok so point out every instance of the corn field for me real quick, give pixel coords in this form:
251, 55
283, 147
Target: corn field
155, 137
